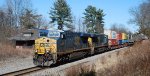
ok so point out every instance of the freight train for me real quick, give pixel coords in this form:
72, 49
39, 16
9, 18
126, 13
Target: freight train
54, 46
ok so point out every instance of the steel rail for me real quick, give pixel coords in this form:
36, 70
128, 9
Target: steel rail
23, 71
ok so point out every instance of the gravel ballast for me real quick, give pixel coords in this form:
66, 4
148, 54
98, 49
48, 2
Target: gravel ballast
15, 64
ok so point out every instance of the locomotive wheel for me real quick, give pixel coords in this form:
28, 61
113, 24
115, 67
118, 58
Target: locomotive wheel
35, 61
86, 54
40, 60
68, 58
92, 51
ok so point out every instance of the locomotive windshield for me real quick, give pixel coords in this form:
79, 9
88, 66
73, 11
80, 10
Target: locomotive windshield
43, 33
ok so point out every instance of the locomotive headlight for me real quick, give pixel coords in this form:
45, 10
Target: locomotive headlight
36, 51
47, 51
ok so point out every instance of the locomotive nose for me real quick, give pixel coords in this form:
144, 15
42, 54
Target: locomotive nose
45, 45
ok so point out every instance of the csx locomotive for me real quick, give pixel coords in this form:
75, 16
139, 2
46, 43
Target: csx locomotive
57, 45
54, 46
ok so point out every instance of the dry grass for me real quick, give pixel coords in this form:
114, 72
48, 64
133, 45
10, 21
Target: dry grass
81, 71
7, 51
134, 61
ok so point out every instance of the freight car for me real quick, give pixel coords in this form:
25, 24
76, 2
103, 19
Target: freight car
56, 45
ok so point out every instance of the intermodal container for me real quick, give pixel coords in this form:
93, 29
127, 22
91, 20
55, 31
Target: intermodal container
113, 42
124, 36
111, 34
124, 41
119, 42
119, 36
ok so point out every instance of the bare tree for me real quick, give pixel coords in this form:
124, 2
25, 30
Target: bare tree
119, 28
42, 23
10, 17
82, 26
141, 17
30, 19
16, 9
79, 25
5, 29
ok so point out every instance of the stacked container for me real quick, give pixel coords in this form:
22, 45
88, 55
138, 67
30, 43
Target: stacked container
124, 38
119, 38
112, 37
111, 34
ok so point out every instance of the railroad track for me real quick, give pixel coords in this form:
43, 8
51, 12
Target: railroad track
23, 71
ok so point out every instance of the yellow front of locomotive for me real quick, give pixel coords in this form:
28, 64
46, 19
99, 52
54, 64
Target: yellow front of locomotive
45, 51
45, 45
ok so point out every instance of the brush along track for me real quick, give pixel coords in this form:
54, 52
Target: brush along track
24, 71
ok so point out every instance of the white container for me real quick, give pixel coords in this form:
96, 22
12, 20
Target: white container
111, 34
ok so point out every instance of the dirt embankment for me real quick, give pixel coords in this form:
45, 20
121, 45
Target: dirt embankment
132, 61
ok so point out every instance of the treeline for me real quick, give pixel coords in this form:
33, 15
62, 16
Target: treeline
17, 15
